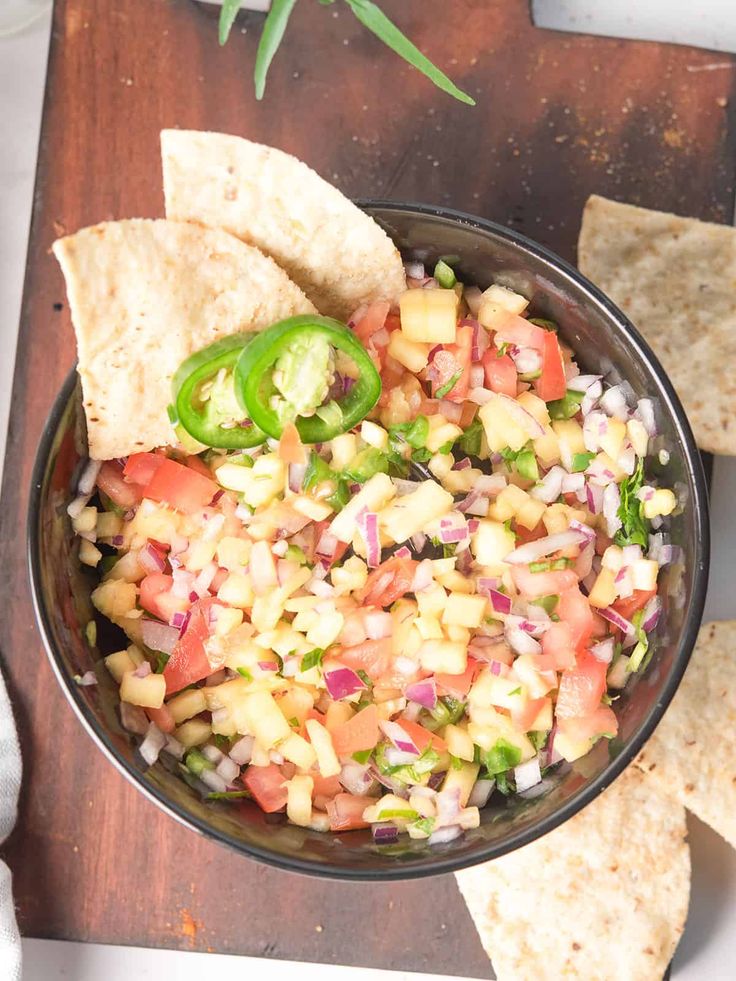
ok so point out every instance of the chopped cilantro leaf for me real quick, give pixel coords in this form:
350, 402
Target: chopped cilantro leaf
502, 756
581, 461
445, 389
634, 527
312, 659
245, 673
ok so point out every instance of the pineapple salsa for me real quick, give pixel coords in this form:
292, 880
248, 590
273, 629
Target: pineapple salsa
412, 568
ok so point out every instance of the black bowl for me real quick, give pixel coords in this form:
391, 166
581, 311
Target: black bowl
605, 342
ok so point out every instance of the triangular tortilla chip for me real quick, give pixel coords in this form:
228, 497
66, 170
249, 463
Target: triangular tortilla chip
692, 754
604, 897
144, 295
330, 248
675, 278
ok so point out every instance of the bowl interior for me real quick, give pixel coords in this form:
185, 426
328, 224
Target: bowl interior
604, 342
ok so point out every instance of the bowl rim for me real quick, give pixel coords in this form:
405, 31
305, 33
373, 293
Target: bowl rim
440, 864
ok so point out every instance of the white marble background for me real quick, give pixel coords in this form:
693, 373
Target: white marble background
708, 949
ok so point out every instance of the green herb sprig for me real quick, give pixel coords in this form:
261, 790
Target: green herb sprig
370, 16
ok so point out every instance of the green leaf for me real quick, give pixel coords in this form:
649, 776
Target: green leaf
161, 661
245, 673
566, 407
502, 756
455, 762
542, 322
424, 824
228, 13
548, 603
365, 465
470, 441
271, 37
634, 528
362, 756
312, 659
526, 465
581, 461
449, 385
408, 814
504, 784
538, 739
317, 471
638, 658
414, 433
372, 17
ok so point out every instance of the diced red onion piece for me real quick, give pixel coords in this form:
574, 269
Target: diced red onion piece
645, 414
613, 403
452, 411
203, 580
385, 834
527, 775
423, 576
133, 718
424, 692
592, 393
534, 551
527, 360
500, 602
521, 642
608, 613
443, 835
378, 624
603, 651
153, 744
479, 396
573, 482
356, 778
477, 375
482, 790
143, 670
213, 780
367, 523
159, 636
87, 679
414, 269
296, 476
342, 682
174, 748
594, 497
550, 486
242, 751
611, 505
652, 611
399, 737
463, 464
402, 553
228, 769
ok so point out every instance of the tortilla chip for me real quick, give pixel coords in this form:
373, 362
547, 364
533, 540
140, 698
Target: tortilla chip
692, 754
333, 250
675, 278
604, 897
144, 295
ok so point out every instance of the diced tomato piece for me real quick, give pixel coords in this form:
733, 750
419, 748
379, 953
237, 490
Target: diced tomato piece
373, 320
470, 411
516, 330
601, 722
268, 787
524, 535
453, 361
111, 482
162, 717
325, 786
291, 448
372, 656
458, 685
523, 717
533, 584
391, 580
632, 604
581, 687
180, 487
189, 662
500, 372
551, 384
557, 647
422, 737
357, 734
152, 587
141, 467
574, 609
346, 812
198, 464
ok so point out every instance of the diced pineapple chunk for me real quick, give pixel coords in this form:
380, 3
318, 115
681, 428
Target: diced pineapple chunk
236, 591
86, 520
233, 476
429, 628
604, 590
374, 494
263, 718
464, 611
547, 447
373, 434
543, 720
531, 513
187, 704
310, 508
459, 743
298, 751
147, 692
537, 683
635, 430
491, 543
266, 479
233, 553
127, 568
226, 620
296, 703
326, 630
299, 799
500, 428
613, 438
118, 663
536, 407
570, 434
497, 302
557, 517
644, 574
462, 779
429, 316
89, 554
461, 481
343, 448
411, 354
267, 610
571, 749
410, 513
446, 656
195, 732
350, 576
327, 761
440, 432
441, 465
509, 501
336, 714
662, 502
114, 598
109, 524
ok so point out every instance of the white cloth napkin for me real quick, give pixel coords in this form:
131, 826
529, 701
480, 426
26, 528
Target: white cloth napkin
10, 772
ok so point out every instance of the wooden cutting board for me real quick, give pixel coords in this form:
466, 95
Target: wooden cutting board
558, 116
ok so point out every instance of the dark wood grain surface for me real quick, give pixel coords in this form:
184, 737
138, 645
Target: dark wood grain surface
558, 116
